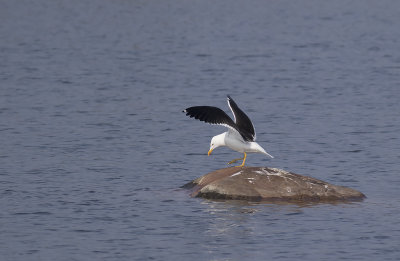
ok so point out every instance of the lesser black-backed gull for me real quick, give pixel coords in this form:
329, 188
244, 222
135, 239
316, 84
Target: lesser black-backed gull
241, 135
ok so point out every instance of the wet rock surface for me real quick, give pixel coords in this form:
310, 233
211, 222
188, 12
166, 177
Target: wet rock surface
268, 184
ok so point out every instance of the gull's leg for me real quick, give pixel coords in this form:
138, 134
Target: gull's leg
244, 160
234, 160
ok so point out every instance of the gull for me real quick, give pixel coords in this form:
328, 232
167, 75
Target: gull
241, 135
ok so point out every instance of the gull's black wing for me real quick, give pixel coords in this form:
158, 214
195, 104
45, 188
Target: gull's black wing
243, 123
211, 115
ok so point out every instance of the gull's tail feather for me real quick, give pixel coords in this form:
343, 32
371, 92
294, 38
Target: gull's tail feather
260, 149
266, 153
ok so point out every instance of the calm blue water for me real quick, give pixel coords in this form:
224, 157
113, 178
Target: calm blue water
94, 146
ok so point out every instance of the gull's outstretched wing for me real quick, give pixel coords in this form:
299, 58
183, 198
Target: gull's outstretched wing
211, 115
243, 123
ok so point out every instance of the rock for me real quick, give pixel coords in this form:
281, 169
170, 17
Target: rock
267, 184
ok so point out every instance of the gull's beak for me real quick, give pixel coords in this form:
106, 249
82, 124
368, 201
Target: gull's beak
209, 152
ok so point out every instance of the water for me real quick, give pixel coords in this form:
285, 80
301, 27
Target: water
94, 146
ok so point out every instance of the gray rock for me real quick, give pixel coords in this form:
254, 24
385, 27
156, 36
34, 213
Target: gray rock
267, 184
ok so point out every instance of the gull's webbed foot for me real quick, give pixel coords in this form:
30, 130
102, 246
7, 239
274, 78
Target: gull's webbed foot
233, 161
244, 160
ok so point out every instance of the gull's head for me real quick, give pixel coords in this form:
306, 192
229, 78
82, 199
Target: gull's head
217, 141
